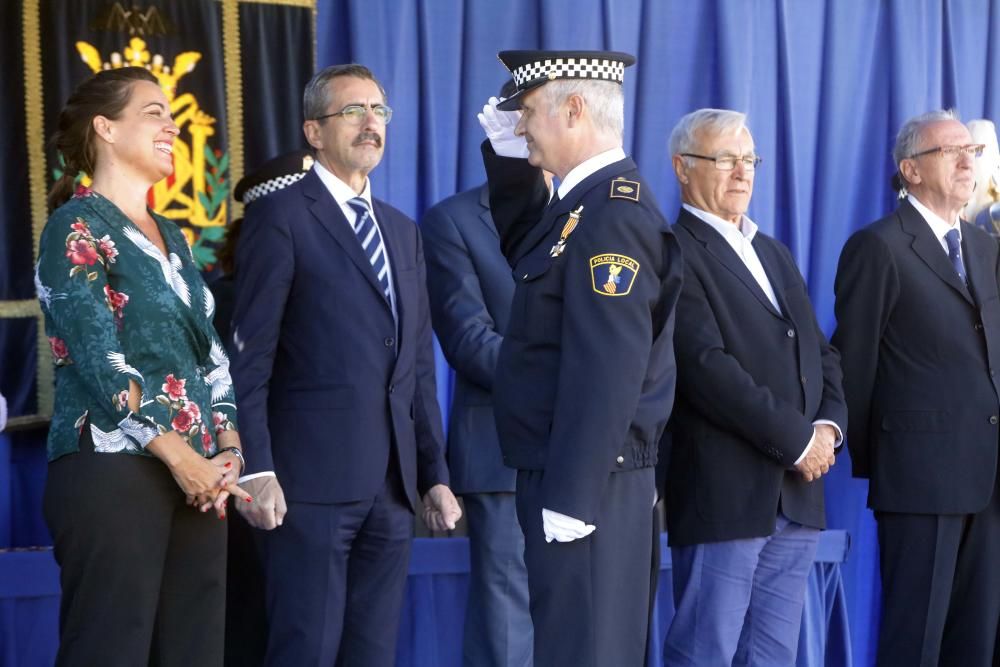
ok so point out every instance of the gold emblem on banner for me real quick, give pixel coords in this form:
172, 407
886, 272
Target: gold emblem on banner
197, 192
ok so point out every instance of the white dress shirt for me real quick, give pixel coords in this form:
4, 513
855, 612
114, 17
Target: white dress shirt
588, 167
939, 226
740, 239
343, 193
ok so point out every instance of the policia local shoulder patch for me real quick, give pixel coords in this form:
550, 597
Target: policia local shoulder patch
612, 274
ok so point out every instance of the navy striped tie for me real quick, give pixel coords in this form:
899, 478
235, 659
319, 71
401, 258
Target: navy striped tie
371, 242
955, 253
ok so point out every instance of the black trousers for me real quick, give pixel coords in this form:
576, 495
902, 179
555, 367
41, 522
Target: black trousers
335, 580
940, 587
143, 574
590, 598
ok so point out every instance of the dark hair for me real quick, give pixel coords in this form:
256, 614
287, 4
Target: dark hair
106, 93
316, 97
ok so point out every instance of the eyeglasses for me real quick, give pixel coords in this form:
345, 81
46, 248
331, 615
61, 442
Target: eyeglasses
953, 152
728, 162
355, 113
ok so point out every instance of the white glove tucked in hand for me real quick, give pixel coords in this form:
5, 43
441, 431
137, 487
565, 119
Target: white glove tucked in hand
499, 127
562, 528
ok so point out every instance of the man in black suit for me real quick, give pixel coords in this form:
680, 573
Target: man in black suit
918, 327
758, 415
334, 367
585, 377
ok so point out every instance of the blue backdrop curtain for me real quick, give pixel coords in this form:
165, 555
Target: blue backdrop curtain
826, 85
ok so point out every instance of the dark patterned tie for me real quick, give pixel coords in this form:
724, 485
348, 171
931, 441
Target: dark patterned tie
371, 243
955, 253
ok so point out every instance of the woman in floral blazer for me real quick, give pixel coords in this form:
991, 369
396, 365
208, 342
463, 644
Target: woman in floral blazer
145, 418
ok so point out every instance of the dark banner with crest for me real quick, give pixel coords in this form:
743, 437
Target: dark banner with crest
233, 71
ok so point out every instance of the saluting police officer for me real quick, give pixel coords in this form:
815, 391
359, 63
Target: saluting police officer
585, 379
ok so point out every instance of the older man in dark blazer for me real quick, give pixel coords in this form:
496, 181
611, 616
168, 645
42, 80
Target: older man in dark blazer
759, 411
470, 288
918, 325
334, 368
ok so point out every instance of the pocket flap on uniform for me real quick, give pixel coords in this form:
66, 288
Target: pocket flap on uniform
923, 421
532, 267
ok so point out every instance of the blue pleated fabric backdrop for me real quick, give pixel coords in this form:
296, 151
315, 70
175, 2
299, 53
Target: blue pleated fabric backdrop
826, 83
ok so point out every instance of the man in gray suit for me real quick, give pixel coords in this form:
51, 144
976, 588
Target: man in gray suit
470, 287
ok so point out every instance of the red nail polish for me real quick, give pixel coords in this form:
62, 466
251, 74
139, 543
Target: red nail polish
249, 499
228, 465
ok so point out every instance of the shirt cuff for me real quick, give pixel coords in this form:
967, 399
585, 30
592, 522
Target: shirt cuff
840, 434
837, 443
138, 429
247, 478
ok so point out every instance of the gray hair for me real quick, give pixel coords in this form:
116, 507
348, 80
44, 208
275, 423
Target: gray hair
682, 138
909, 135
316, 98
605, 100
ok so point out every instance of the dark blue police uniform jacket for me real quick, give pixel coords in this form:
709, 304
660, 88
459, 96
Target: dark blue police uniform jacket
585, 380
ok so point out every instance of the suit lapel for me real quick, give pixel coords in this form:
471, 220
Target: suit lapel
484, 215
393, 246
325, 209
718, 248
977, 266
929, 249
769, 258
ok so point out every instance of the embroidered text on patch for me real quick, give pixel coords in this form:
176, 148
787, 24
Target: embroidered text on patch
612, 274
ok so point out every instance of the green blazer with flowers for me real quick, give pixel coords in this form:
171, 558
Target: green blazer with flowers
117, 310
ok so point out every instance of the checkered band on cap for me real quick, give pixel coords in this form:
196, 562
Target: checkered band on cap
273, 185
570, 68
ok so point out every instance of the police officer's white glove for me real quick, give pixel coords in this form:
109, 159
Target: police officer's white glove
562, 528
499, 127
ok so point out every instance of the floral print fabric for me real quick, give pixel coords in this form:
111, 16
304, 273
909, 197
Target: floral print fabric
116, 309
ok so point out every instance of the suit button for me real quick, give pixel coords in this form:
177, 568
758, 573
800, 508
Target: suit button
992, 372
392, 388
389, 341
802, 379
790, 333
620, 460
994, 419
978, 326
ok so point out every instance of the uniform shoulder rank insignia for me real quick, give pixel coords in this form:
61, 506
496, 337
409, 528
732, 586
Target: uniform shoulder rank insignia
612, 274
624, 189
560, 245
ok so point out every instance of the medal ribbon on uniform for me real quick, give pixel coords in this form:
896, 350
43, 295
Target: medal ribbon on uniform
574, 218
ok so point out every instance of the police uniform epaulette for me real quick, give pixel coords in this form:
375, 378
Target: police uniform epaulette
622, 188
